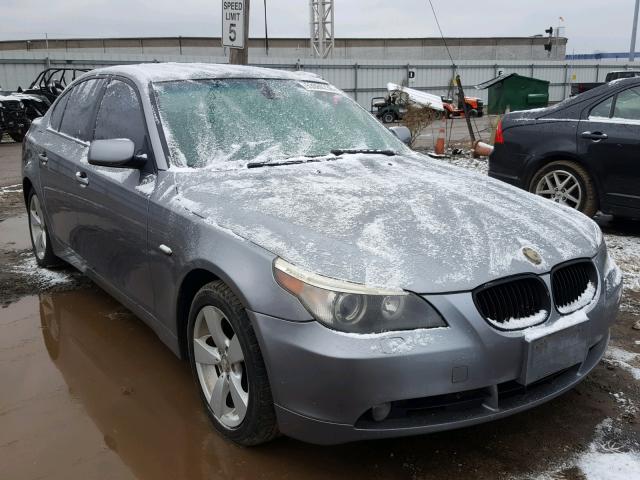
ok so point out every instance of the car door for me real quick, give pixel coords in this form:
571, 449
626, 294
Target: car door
62, 148
609, 140
112, 228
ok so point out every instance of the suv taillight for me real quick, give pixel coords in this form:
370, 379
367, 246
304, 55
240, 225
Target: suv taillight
499, 134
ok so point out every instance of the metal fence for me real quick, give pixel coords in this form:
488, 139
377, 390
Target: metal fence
361, 80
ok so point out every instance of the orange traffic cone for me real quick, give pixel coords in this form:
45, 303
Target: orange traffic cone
441, 136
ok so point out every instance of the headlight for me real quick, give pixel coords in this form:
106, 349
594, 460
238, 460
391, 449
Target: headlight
354, 308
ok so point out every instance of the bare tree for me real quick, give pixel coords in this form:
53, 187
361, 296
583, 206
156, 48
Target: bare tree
416, 119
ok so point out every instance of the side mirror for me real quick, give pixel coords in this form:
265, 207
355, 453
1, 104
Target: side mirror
402, 133
116, 152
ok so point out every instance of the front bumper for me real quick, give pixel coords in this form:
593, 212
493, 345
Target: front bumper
324, 383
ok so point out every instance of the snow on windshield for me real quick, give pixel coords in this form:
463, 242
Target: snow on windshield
229, 123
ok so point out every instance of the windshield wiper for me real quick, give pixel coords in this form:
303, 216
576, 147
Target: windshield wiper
353, 151
293, 161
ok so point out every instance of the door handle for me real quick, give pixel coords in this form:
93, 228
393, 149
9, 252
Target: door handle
43, 158
596, 136
82, 179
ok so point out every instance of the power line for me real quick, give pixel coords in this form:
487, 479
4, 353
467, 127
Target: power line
441, 34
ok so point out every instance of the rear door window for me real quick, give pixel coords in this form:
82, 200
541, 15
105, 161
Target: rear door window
121, 116
58, 111
628, 105
77, 120
602, 110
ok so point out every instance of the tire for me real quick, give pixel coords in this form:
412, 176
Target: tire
245, 415
39, 234
473, 113
17, 136
586, 201
388, 118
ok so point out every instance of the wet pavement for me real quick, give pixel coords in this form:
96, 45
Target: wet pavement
87, 391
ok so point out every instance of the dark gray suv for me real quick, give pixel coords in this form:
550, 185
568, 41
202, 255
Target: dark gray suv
323, 280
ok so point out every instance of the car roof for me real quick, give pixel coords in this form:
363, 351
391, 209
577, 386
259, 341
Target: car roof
163, 72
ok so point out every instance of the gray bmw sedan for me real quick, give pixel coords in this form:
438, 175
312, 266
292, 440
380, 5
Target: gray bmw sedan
323, 280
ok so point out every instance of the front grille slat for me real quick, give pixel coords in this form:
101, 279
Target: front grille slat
569, 282
506, 303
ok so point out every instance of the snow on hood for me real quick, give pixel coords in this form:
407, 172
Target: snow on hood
407, 222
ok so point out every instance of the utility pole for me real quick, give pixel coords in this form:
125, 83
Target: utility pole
240, 56
465, 107
46, 42
634, 31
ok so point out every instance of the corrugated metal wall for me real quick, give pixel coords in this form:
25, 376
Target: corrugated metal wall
362, 80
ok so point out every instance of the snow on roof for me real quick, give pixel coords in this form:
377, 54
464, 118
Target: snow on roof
418, 96
159, 72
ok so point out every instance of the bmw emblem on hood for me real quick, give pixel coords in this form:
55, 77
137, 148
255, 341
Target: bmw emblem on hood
531, 255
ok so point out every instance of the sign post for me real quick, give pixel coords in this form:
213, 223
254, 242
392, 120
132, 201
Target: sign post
235, 30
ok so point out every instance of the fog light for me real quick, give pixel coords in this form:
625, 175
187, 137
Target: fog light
380, 412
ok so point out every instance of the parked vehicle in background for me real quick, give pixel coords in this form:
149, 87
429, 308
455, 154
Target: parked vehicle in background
578, 88
322, 279
475, 107
393, 106
18, 109
388, 109
583, 153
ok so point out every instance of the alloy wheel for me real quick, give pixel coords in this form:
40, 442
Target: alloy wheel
38, 228
220, 366
561, 187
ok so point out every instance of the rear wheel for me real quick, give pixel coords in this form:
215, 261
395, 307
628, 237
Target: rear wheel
567, 183
40, 240
228, 367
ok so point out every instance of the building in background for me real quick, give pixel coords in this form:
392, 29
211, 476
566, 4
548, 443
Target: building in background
397, 49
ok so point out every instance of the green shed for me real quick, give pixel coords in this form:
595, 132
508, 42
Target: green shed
515, 92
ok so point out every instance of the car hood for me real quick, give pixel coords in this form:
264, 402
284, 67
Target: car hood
407, 222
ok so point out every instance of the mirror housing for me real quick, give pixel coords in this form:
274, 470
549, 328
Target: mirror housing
402, 133
115, 152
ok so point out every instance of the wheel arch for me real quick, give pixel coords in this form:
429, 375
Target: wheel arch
27, 186
196, 278
192, 282
558, 156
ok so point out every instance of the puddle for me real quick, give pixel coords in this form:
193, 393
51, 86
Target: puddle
88, 391
14, 233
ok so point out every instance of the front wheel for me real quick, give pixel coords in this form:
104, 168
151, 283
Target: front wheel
228, 367
40, 239
567, 183
388, 118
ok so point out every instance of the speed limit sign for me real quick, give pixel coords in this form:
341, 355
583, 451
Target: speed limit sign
233, 13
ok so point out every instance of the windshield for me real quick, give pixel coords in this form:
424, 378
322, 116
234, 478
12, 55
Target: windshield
229, 123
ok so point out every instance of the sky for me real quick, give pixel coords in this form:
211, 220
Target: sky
590, 25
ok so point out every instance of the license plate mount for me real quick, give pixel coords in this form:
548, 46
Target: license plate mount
549, 354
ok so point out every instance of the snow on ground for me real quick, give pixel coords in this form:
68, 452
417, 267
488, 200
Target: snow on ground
42, 277
606, 458
628, 361
10, 189
480, 165
626, 252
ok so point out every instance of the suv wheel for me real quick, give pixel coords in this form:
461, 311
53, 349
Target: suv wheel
567, 183
228, 367
40, 240
17, 136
